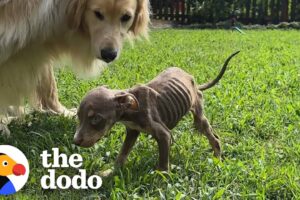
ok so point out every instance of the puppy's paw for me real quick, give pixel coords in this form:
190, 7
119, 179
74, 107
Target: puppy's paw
162, 168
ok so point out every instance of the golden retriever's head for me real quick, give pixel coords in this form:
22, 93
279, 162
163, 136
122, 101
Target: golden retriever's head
109, 22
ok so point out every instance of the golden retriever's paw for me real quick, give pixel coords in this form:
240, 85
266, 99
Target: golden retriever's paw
47, 112
4, 131
70, 112
15, 111
63, 111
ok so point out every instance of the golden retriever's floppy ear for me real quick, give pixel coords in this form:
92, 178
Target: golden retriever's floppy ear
75, 12
142, 19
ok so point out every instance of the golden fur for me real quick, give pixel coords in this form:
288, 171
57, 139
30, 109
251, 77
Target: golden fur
34, 33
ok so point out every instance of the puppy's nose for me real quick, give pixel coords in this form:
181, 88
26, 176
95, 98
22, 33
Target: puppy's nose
77, 141
108, 54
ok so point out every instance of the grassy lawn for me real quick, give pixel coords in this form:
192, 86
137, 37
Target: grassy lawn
255, 109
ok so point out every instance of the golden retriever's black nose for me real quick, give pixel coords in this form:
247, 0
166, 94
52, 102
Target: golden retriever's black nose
108, 54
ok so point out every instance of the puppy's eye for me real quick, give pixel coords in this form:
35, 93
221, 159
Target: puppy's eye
96, 119
99, 15
125, 18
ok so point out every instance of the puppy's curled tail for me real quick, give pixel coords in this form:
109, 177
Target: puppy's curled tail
210, 84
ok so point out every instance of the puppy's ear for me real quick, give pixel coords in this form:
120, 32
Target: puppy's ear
127, 101
141, 19
75, 13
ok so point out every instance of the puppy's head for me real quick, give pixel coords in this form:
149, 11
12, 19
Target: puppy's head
109, 22
99, 111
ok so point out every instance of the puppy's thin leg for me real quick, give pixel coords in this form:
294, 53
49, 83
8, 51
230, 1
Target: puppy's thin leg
131, 137
204, 127
163, 138
47, 96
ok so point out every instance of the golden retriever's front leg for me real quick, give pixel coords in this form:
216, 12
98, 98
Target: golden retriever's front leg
7, 115
47, 95
4, 131
4, 121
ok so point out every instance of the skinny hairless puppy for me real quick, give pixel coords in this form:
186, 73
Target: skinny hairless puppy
154, 108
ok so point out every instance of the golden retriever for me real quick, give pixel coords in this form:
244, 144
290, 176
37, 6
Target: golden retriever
34, 33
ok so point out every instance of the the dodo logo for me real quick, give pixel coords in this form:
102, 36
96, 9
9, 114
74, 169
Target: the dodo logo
14, 170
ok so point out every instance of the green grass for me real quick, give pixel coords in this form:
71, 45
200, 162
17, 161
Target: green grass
255, 109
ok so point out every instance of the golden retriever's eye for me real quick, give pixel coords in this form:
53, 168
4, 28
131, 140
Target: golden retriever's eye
125, 18
99, 15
